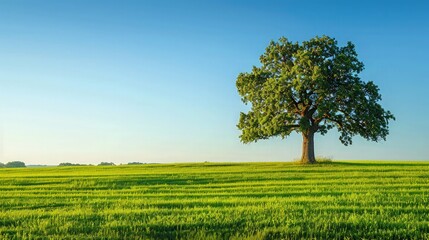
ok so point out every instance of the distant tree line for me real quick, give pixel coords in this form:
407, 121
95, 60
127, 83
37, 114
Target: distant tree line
106, 164
13, 164
19, 164
67, 164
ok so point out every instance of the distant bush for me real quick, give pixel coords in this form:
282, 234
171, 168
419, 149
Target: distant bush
135, 163
106, 164
2, 165
15, 164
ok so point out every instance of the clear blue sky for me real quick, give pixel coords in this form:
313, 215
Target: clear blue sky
154, 81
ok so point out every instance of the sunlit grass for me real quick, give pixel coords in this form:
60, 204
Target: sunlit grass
354, 199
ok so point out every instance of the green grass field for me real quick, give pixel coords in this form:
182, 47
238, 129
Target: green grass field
341, 200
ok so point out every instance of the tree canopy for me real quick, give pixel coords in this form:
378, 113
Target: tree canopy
15, 164
310, 88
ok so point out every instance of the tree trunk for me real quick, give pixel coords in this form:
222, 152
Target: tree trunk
308, 148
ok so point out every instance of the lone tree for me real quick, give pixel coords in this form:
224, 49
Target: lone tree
310, 88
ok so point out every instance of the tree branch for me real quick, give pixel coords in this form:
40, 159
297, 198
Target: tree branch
334, 120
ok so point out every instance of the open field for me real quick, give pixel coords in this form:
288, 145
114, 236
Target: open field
354, 200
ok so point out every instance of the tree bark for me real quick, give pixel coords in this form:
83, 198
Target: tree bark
308, 148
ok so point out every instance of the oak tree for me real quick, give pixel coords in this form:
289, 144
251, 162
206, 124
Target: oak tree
310, 88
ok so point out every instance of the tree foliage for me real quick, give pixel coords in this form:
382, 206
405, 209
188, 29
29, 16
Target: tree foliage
15, 164
310, 88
